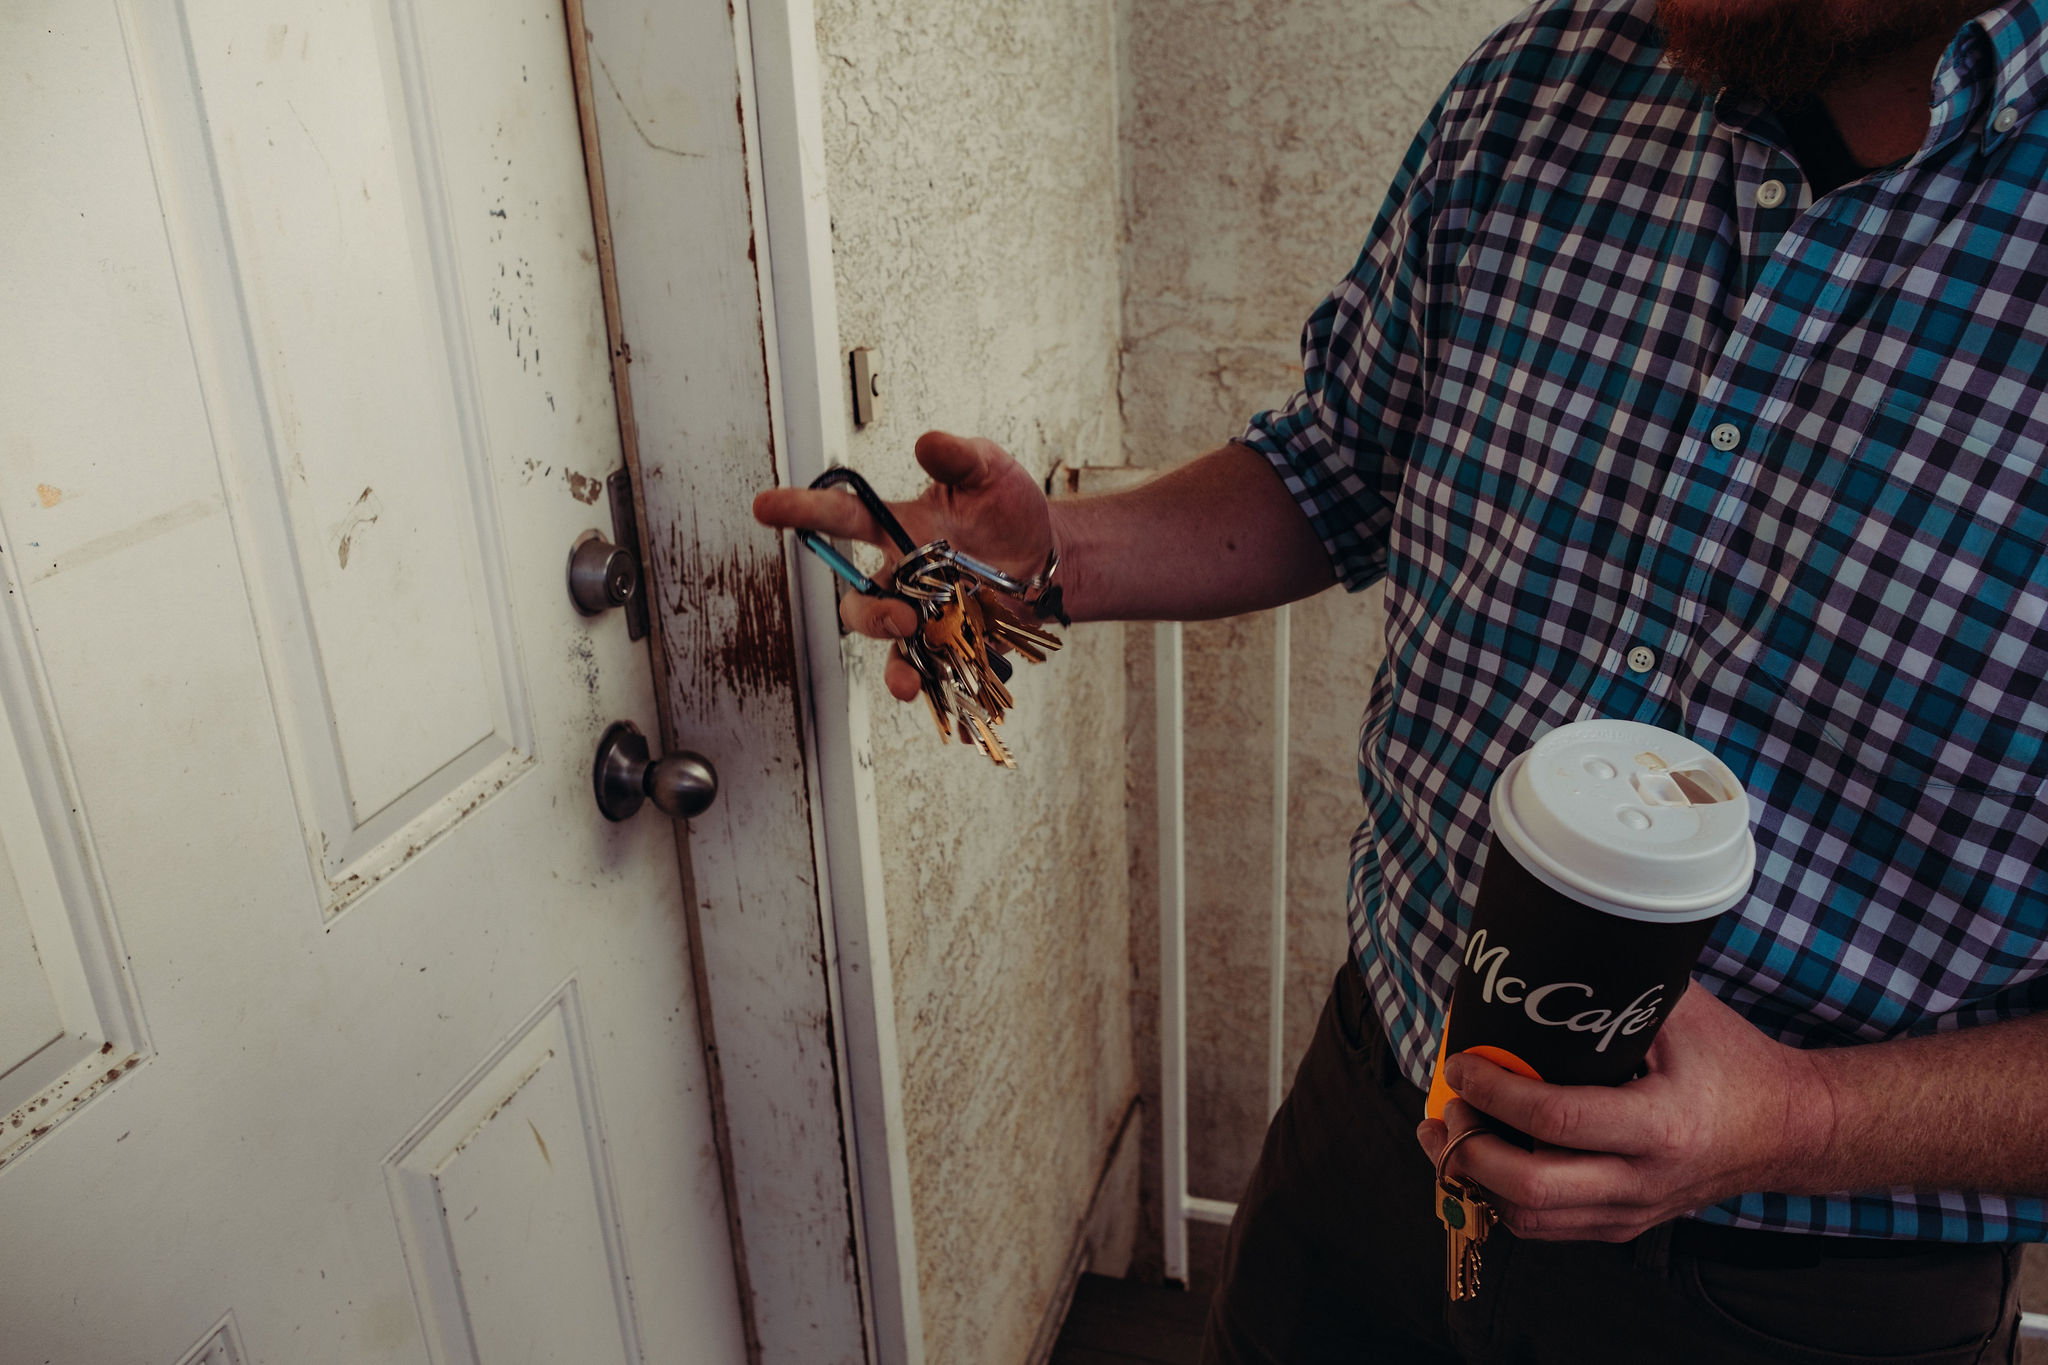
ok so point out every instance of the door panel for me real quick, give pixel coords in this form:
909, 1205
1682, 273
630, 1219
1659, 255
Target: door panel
29, 1020
504, 1199
67, 1021
285, 510
337, 362
311, 153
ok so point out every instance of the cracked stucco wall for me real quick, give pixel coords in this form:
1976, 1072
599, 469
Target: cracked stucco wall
1258, 139
972, 173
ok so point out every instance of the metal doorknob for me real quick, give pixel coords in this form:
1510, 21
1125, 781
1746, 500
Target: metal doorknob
601, 575
681, 784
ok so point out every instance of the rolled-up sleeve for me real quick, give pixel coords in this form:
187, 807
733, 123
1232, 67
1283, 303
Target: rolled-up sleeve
1340, 443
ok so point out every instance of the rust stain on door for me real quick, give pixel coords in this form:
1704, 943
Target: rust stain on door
729, 623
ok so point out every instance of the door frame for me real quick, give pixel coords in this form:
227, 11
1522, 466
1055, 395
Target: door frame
823, 1239
814, 396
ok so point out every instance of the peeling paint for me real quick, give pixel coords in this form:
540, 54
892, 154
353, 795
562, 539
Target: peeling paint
32, 1120
395, 852
512, 1094
583, 668
363, 514
729, 621
582, 487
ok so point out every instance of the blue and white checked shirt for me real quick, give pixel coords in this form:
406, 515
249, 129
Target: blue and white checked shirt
1588, 389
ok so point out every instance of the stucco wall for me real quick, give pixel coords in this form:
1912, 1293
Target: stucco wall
1258, 140
973, 182
1091, 230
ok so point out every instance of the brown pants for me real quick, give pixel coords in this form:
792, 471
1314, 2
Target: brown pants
1336, 1255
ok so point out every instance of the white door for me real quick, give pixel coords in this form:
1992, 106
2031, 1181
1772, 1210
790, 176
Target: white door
335, 1024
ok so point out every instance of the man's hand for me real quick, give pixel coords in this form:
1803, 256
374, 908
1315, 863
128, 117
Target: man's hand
980, 501
1217, 536
1724, 1110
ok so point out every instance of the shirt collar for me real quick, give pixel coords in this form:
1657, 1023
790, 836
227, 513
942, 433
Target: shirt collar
1998, 60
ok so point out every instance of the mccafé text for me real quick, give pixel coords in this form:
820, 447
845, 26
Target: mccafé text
1547, 1004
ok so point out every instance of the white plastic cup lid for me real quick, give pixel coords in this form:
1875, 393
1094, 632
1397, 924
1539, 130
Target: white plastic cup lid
1628, 818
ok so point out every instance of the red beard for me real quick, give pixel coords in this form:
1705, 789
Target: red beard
1784, 50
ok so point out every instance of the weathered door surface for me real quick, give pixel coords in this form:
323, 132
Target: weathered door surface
335, 1025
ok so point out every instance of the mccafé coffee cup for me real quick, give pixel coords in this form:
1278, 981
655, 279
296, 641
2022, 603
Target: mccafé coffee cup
1614, 847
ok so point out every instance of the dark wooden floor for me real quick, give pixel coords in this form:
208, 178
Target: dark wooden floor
1122, 1322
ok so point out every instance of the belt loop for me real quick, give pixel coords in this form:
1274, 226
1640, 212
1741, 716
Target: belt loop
1653, 1249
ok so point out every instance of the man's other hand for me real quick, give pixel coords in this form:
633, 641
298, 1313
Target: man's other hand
980, 501
1723, 1111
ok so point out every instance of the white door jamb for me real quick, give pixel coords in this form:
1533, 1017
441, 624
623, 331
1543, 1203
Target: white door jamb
796, 993
810, 399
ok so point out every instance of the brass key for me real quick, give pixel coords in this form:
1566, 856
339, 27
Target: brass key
984, 730
965, 630
995, 698
1467, 1218
958, 648
1007, 629
946, 628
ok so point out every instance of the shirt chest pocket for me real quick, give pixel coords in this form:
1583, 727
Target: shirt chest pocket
1909, 646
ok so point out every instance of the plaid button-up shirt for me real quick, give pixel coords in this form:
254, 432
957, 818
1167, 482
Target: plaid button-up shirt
1591, 388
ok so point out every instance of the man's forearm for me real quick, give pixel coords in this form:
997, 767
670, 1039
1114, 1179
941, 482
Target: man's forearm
1964, 1110
1218, 536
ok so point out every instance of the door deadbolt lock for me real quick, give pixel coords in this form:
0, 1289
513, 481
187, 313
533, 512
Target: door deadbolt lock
601, 575
682, 785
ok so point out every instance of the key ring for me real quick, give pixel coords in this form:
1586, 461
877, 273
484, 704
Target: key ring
1443, 1158
958, 649
923, 561
920, 575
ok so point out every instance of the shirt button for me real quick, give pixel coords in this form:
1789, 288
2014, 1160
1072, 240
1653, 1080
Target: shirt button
1725, 437
1641, 659
2006, 118
1770, 194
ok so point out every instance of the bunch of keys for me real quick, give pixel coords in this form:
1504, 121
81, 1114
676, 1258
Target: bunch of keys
1462, 1208
963, 628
